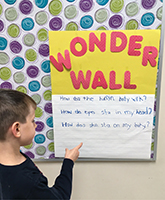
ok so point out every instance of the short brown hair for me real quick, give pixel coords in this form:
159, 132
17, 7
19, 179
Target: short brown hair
14, 106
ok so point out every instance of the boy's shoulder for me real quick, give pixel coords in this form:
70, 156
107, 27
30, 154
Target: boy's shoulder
27, 169
22, 178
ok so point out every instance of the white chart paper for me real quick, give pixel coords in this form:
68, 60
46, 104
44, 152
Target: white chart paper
110, 126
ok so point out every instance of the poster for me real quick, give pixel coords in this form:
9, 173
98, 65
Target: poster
24, 47
103, 91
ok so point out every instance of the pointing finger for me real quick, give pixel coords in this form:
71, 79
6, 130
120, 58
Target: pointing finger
79, 146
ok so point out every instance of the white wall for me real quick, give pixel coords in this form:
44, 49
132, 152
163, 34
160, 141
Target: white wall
119, 180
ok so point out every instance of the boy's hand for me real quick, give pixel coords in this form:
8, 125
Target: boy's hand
73, 154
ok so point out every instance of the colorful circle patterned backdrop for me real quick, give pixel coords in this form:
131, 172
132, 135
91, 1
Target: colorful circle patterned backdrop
24, 46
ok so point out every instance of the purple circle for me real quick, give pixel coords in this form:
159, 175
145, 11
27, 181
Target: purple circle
115, 21
32, 71
6, 85
25, 6
55, 24
148, 4
1, 25
152, 155
52, 156
155, 106
30, 154
85, 5
15, 47
44, 50
40, 126
48, 108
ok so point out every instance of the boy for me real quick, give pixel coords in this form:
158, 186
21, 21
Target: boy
19, 177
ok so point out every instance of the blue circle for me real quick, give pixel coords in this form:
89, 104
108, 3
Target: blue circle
10, 2
45, 66
39, 138
41, 3
3, 43
49, 122
161, 0
70, 0
147, 19
102, 2
86, 22
34, 86
27, 24
154, 120
18, 62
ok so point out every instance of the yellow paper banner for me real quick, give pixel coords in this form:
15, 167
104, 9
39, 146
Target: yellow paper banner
104, 62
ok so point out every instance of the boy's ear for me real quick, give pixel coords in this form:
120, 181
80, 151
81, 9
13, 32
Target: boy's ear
16, 129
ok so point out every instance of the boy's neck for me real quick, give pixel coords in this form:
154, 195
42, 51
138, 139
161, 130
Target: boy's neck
10, 155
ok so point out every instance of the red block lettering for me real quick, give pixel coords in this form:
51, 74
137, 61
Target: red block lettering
114, 37
61, 61
94, 40
149, 54
99, 80
112, 81
73, 46
127, 80
85, 81
133, 45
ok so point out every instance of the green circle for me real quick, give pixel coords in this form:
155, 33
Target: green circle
36, 98
41, 18
21, 89
51, 147
13, 30
153, 133
70, 12
46, 81
28, 146
156, 89
1, 9
159, 13
102, 28
31, 55
29, 39
152, 146
131, 25
5, 73
47, 95
4, 58
42, 34
55, 7
38, 112
40, 150
132, 9
11, 14
19, 77
159, 27
71, 26
101, 15
116, 5
50, 134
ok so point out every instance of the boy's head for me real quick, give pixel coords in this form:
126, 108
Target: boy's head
14, 106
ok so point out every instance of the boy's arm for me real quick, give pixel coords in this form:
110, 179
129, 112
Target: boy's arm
64, 180
63, 183
61, 190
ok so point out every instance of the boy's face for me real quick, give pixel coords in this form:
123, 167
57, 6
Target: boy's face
28, 129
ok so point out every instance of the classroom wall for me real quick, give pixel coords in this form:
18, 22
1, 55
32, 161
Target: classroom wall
119, 180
